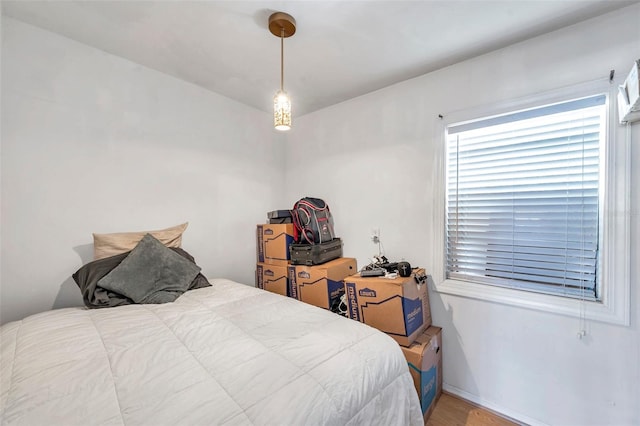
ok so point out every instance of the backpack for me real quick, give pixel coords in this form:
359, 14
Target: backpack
312, 220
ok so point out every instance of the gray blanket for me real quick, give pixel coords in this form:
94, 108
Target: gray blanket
95, 296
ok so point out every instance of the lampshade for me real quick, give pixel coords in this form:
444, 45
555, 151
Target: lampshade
281, 111
282, 25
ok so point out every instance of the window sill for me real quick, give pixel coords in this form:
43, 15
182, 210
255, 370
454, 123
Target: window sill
597, 311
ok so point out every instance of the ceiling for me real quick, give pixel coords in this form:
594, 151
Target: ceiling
342, 49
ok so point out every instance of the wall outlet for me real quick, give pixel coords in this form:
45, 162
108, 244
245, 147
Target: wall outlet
375, 235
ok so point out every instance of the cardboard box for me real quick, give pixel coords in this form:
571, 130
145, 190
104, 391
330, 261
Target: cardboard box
321, 285
424, 357
272, 243
399, 307
273, 278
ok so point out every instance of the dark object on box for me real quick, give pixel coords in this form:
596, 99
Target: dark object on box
404, 269
280, 220
401, 268
279, 214
315, 254
375, 272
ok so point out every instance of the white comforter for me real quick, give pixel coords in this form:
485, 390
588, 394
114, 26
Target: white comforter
227, 354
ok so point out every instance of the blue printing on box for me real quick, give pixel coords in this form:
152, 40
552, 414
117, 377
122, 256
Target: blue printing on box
352, 301
260, 238
413, 317
293, 284
427, 386
367, 292
412, 313
259, 277
335, 289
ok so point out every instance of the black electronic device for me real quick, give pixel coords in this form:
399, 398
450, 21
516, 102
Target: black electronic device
375, 272
278, 214
404, 269
389, 266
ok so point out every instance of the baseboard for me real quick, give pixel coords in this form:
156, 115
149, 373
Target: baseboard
489, 406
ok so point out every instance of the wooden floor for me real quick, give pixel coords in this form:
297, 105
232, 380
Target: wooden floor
453, 411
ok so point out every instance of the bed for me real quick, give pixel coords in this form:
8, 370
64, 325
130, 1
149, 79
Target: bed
223, 354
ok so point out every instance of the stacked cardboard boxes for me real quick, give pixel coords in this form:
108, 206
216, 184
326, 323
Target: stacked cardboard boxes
400, 307
272, 252
319, 285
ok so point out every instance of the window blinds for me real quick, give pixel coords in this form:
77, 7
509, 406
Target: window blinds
523, 198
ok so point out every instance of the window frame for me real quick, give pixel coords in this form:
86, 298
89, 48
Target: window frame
614, 304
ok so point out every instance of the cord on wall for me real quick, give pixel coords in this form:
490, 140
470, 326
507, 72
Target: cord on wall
375, 237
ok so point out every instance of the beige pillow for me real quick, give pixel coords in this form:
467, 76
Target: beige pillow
107, 245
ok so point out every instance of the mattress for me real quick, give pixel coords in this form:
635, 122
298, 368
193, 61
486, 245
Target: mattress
225, 354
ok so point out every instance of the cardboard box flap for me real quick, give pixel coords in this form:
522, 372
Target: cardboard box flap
340, 268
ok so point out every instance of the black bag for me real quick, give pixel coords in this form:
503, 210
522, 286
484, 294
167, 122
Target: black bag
315, 254
312, 220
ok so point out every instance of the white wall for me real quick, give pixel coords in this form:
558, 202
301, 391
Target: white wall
94, 143
372, 159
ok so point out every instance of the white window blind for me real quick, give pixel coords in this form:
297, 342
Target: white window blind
523, 198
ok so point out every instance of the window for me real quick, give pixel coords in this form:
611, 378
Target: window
532, 206
523, 198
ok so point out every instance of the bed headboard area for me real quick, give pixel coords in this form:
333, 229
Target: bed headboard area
138, 267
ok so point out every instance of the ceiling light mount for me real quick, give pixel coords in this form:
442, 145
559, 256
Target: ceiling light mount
282, 21
282, 25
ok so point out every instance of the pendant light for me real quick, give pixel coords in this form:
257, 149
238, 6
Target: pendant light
282, 25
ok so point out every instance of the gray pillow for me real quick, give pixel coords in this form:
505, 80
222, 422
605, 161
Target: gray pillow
151, 273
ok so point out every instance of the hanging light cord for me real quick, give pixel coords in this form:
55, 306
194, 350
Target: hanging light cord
282, 60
